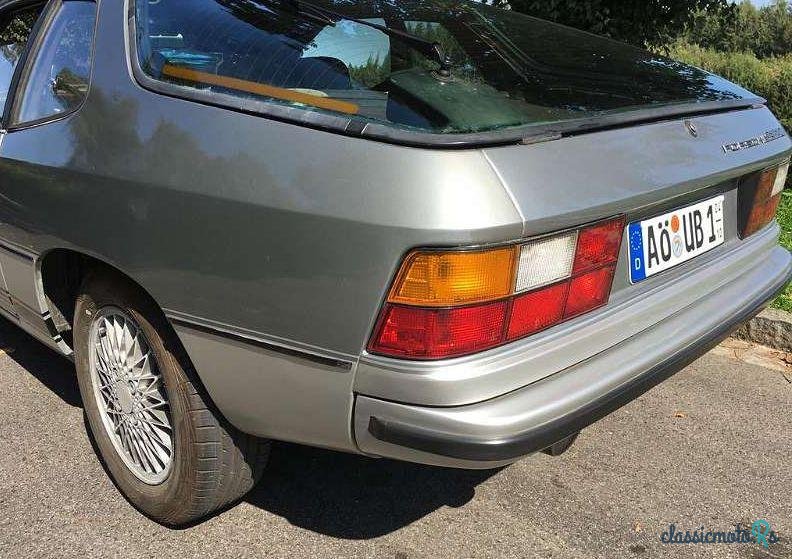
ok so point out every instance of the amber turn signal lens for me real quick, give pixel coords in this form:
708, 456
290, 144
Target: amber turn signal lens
759, 197
445, 279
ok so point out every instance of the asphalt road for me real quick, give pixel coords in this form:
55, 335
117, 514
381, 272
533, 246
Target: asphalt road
711, 447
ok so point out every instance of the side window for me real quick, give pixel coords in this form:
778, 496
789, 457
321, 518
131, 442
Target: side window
15, 30
57, 81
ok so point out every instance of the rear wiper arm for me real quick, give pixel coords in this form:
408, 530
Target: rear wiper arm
429, 49
316, 15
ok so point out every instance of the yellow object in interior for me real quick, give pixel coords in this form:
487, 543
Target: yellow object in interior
259, 89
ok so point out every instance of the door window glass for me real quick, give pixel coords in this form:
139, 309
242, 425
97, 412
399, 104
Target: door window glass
58, 79
14, 33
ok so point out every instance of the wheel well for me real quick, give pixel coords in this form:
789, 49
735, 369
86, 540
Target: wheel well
62, 272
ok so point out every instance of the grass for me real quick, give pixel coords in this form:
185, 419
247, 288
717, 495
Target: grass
784, 300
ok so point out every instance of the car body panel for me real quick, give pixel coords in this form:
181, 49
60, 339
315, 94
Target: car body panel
501, 430
626, 170
270, 246
270, 393
264, 217
490, 374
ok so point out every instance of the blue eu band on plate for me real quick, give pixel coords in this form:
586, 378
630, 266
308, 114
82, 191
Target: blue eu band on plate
663, 242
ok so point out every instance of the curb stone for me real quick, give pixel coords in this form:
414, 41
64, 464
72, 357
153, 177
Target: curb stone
772, 328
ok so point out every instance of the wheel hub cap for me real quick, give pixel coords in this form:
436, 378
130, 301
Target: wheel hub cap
125, 397
130, 395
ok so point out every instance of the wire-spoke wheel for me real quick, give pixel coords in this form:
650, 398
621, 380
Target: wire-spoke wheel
167, 448
130, 395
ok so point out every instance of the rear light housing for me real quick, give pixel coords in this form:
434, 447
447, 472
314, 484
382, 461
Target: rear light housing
447, 304
759, 197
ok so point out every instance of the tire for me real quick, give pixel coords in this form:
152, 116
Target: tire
210, 464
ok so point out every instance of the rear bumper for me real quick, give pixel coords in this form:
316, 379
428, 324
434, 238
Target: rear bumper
503, 429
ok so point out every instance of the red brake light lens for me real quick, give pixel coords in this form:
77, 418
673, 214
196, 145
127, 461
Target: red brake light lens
538, 310
589, 291
421, 333
598, 246
549, 280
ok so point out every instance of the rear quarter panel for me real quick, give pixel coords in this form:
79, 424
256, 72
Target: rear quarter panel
284, 234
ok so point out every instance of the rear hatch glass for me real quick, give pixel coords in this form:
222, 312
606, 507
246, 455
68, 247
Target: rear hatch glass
369, 61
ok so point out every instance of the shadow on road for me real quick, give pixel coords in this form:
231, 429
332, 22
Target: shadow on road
53, 371
332, 493
353, 497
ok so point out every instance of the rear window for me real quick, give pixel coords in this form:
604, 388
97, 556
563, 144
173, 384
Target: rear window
374, 62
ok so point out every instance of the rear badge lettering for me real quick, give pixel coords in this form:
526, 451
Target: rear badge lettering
766, 138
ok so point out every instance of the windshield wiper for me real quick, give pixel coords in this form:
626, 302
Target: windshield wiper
429, 49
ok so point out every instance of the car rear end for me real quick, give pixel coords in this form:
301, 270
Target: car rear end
457, 259
482, 355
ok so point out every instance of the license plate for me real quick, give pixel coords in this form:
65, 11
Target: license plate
668, 240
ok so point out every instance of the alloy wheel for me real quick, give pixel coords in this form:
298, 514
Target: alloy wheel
130, 395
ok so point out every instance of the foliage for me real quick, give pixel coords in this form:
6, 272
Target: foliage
784, 301
15, 33
650, 23
372, 72
375, 71
765, 32
770, 78
437, 33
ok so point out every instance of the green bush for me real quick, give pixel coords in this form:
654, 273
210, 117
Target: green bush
770, 77
766, 32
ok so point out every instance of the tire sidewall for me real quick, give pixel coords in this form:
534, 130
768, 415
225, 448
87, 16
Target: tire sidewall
170, 496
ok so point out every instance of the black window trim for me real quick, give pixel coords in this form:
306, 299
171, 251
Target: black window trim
27, 61
358, 128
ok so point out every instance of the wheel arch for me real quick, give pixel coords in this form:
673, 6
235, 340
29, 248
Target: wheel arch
59, 274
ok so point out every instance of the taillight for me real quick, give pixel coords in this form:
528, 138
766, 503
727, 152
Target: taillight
419, 333
759, 196
446, 304
444, 279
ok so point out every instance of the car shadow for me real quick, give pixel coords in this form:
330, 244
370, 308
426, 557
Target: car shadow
52, 370
331, 493
355, 497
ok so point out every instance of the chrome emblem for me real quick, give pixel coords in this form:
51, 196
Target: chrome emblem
690, 125
766, 138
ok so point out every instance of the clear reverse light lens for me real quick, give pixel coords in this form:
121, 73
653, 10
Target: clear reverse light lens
781, 179
546, 261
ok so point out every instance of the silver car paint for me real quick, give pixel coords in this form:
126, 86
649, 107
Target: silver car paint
630, 170
500, 371
563, 393
288, 237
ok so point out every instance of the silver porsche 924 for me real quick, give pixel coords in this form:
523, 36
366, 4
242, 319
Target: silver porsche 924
420, 229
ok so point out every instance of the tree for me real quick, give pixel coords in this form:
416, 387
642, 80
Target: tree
765, 32
645, 23
372, 72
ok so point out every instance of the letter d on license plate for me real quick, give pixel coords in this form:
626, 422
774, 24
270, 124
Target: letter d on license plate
668, 240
